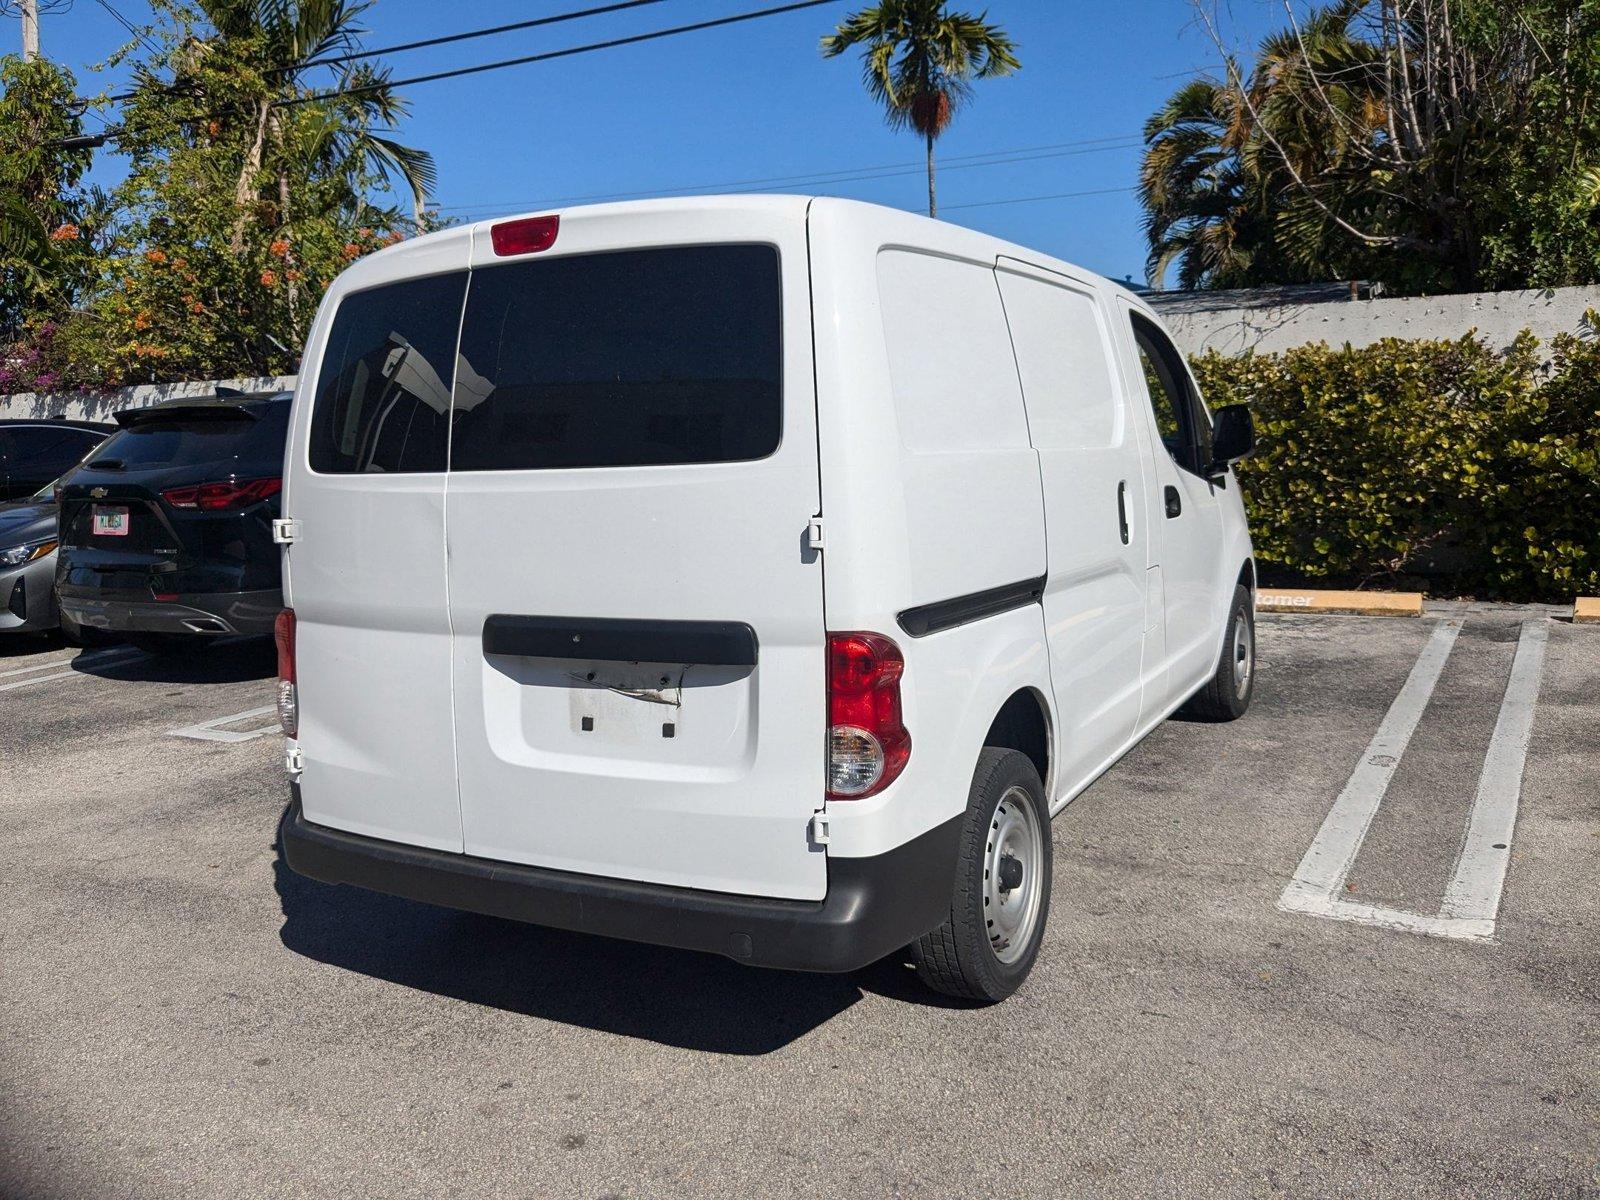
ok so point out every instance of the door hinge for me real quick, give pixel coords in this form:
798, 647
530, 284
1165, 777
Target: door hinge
294, 760
819, 828
814, 534
285, 530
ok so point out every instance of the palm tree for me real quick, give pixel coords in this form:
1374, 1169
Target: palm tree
290, 38
919, 61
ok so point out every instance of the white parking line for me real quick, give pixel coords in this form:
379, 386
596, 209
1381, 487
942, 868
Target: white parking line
1472, 898
210, 731
98, 659
1474, 891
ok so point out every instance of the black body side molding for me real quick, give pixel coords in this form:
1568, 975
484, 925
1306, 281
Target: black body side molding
702, 643
975, 606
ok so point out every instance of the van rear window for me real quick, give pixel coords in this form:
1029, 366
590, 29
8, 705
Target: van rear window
383, 393
630, 358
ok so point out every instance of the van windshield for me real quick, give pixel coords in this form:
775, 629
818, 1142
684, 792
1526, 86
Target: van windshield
630, 358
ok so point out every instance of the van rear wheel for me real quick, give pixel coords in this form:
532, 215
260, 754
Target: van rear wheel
1002, 886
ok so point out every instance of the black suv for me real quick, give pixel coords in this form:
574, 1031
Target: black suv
34, 453
166, 529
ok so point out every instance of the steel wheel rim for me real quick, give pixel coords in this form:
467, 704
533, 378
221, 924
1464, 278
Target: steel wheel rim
1244, 649
1011, 913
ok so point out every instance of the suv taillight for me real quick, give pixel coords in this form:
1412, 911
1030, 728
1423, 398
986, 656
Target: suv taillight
867, 741
223, 494
288, 691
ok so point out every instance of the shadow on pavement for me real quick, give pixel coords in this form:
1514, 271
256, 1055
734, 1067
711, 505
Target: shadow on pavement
673, 997
228, 660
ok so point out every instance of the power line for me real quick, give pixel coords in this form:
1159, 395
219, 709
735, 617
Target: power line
993, 158
129, 26
547, 56
553, 19
1035, 199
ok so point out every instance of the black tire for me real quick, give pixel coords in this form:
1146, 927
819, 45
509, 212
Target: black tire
163, 645
1226, 696
960, 957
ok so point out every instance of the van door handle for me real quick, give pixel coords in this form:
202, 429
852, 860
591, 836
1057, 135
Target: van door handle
1174, 502
1122, 510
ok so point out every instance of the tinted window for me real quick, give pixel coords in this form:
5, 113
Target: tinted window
635, 358
254, 444
45, 452
1178, 414
383, 393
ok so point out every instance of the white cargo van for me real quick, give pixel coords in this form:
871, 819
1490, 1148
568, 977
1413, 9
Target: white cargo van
756, 575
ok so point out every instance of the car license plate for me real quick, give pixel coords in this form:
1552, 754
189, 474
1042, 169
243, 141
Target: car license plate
110, 520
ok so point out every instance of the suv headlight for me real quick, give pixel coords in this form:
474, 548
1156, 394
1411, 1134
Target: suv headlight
15, 556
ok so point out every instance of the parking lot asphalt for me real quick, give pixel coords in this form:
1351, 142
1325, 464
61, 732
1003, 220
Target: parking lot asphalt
183, 1017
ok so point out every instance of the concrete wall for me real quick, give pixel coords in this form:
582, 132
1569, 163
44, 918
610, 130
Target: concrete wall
98, 406
1279, 319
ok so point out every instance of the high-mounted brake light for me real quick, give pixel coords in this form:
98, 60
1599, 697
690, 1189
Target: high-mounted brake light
868, 744
529, 235
223, 494
288, 688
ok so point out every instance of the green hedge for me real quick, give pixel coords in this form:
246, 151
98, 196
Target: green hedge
1468, 470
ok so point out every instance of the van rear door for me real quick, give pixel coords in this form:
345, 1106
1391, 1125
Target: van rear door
638, 623
366, 574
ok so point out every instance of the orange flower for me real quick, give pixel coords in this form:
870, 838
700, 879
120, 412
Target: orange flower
281, 247
65, 233
156, 256
363, 233
142, 321
394, 237
293, 276
196, 307
351, 250
213, 127
269, 279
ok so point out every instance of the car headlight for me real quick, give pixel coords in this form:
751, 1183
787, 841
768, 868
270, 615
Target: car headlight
15, 556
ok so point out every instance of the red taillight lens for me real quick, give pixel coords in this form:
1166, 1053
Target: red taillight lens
288, 688
526, 236
224, 494
868, 744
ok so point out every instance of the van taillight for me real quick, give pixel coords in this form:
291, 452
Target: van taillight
223, 494
867, 741
529, 235
288, 689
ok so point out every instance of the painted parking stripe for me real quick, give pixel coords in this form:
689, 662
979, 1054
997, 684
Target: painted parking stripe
1323, 870
212, 731
76, 659
103, 658
1472, 898
1480, 874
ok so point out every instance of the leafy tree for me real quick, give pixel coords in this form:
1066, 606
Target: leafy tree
1431, 144
249, 189
919, 61
43, 234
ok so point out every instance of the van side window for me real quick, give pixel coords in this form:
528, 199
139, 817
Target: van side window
626, 359
383, 392
1178, 412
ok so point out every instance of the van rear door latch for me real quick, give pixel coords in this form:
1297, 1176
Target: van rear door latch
819, 828
814, 534
285, 530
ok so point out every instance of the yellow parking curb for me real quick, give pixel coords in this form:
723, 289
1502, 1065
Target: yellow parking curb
1366, 604
1587, 609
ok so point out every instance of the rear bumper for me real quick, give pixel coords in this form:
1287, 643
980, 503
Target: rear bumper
211, 614
874, 906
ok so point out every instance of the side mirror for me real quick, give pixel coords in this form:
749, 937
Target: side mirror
1233, 436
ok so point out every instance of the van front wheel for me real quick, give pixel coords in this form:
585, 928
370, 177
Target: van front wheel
1226, 696
1002, 886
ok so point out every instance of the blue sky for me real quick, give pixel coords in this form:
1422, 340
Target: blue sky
756, 102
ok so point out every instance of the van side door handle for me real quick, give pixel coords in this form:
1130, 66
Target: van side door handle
1122, 510
1174, 502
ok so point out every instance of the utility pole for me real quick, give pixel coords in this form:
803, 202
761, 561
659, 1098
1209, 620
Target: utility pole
30, 30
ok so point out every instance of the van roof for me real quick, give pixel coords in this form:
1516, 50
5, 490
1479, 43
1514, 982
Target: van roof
919, 230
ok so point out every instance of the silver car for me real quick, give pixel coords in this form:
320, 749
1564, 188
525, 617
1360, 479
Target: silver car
28, 564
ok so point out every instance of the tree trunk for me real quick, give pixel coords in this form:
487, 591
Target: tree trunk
245, 192
933, 201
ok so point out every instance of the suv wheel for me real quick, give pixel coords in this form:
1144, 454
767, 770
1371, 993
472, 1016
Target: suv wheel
1002, 886
1227, 696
